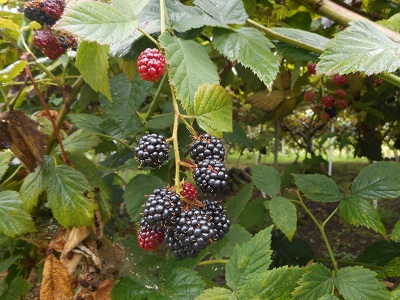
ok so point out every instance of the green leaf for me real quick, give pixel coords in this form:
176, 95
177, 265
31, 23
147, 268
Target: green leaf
315, 283
317, 187
136, 191
328, 297
267, 179
361, 47
395, 235
190, 67
129, 288
393, 23
78, 142
161, 121
97, 22
127, 97
87, 122
227, 12
380, 180
13, 219
7, 262
92, 63
380, 253
249, 260
237, 235
237, 136
216, 293
395, 294
284, 214
251, 48
236, 204
213, 109
180, 283
8, 73
358, 211
306, 37
70, 197
272, 284
295, 53
360, 283
8, 24
5, 158
131, 8
17, 288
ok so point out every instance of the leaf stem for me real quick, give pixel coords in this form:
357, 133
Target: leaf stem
212, 261
175, 140
162, 15
330, 216
154, 102
188, 126
150, 37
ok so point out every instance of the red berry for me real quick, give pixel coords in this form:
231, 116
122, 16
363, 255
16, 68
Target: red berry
328, 101
324, 116
150, 239
312, 68
151, 64
378, 82
342, 104
309, 96
189, 192
340, 93
54, 8
52, 46
339, 80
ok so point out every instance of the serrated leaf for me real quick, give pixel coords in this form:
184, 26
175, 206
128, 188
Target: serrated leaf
315, 283
360, 283
190, 67
328, 297
236, 204
306, 37
136, 191
237, 235
317, 187
213, 109
284, 215
127, 97
13, 219
78, 142
70, 197
393, 23
226, 12
395, 294
380, 180
5, 158
128, 289
161, 121
132, 8
216, 293
272, 284
380, 253
180, 283
92, 63
249, 260
97, 22
8, 24
8, 73
295, 53
87, 122
237, 136
360, 48
7, 262
267, 179
395, 235
17, 288
358, 211
251, 48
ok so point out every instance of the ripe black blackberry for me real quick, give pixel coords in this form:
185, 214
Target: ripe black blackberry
211, 176
46, 12
162, 208
207, 147
175, 246
331, 111
218, 216
152, 150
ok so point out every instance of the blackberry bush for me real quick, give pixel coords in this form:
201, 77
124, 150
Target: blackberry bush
211, 176
151, 64
152, 150
162, 208
207, 147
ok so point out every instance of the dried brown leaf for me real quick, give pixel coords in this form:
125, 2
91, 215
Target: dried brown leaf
56, 283
104, 290
266, 101
71, 261
77, 235
28, 143
5, 138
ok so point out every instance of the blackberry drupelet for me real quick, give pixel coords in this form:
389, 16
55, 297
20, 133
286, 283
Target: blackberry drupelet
149, 238
152, 150
162, 208
54, 8
211, 176
219, 219
189, 192
175, 246
207, 147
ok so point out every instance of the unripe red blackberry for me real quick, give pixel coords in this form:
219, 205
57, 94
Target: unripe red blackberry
151, 64
328, 101
339, 80
312, 68
152, 150
54, 8
324, 116
211, 176
149, 238
341, 94
162, 208
52, 46
189, 192
206, 146
219, 219
342, 104
309, 96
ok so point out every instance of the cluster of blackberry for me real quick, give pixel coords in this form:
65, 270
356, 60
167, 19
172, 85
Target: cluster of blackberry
185, 232
47, 13
210, 174
152, 150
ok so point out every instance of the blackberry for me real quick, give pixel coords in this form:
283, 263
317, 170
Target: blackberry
211, 176
312, 68
54, 8
52, 46
37, 11
151, 64
162, 208
339, 80
207, 147
328, 101
174, 245
219, 219
149, 238
331, 111
152, 150
189, 192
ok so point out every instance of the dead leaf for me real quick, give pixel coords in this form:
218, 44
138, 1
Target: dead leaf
56, 283
71, 261
89, 254
98, 225
5, 138
103, 290
266, 101
28, 143
77, 235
